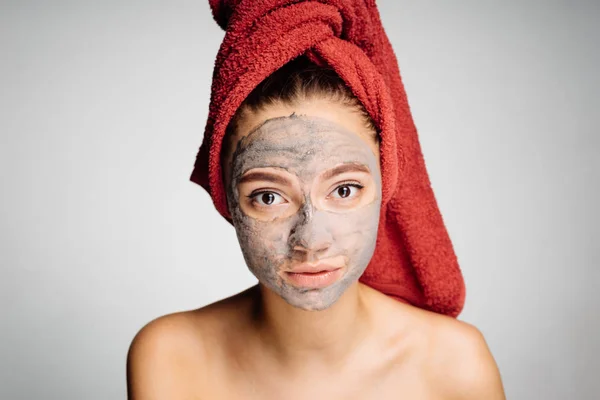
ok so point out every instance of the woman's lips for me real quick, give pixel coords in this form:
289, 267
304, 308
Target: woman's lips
314, 280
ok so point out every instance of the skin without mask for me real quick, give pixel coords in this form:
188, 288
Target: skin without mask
308, 220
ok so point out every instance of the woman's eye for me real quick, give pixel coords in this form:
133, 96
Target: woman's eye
347, 190
266, 199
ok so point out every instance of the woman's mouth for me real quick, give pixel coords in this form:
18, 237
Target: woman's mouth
314, 277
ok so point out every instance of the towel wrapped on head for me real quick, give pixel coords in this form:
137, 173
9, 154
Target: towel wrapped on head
414, 260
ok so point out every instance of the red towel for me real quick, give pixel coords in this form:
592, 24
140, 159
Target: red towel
414, 260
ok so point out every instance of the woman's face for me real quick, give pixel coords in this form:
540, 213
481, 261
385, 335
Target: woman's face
304, 192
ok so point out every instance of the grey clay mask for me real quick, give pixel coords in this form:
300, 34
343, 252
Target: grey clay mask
308, 220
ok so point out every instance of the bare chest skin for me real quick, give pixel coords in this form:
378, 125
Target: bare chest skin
399, 382
389, 366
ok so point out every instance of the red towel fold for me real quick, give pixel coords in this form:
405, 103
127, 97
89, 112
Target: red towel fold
414, 260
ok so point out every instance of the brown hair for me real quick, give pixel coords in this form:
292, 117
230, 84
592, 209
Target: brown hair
298, 79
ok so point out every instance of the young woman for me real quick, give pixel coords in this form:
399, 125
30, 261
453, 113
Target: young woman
301, 170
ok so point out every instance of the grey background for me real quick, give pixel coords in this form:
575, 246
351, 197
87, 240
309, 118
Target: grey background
103, 105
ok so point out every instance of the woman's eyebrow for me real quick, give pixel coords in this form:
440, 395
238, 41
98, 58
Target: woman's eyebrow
349, 167
264, 176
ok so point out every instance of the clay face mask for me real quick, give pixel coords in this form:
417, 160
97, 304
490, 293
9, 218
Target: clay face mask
305, 196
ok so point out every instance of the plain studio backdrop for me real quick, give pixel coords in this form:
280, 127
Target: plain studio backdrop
103, 106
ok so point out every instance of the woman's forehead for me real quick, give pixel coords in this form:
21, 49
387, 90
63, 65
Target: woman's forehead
346, 120
301, 143
306, 130
325, 111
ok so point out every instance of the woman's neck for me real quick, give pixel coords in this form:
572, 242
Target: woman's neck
300, 338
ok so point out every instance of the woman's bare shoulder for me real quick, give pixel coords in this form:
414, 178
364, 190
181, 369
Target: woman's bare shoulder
458, 361
452, 354
171, 351
461, 363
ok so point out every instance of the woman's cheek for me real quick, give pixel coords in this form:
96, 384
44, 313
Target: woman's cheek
263, 243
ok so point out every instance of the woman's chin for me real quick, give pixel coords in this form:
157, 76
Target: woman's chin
313, 299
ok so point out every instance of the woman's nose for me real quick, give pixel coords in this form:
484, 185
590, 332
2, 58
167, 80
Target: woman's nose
310, 236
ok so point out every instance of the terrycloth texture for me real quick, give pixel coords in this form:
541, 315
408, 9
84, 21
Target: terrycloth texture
414, 260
